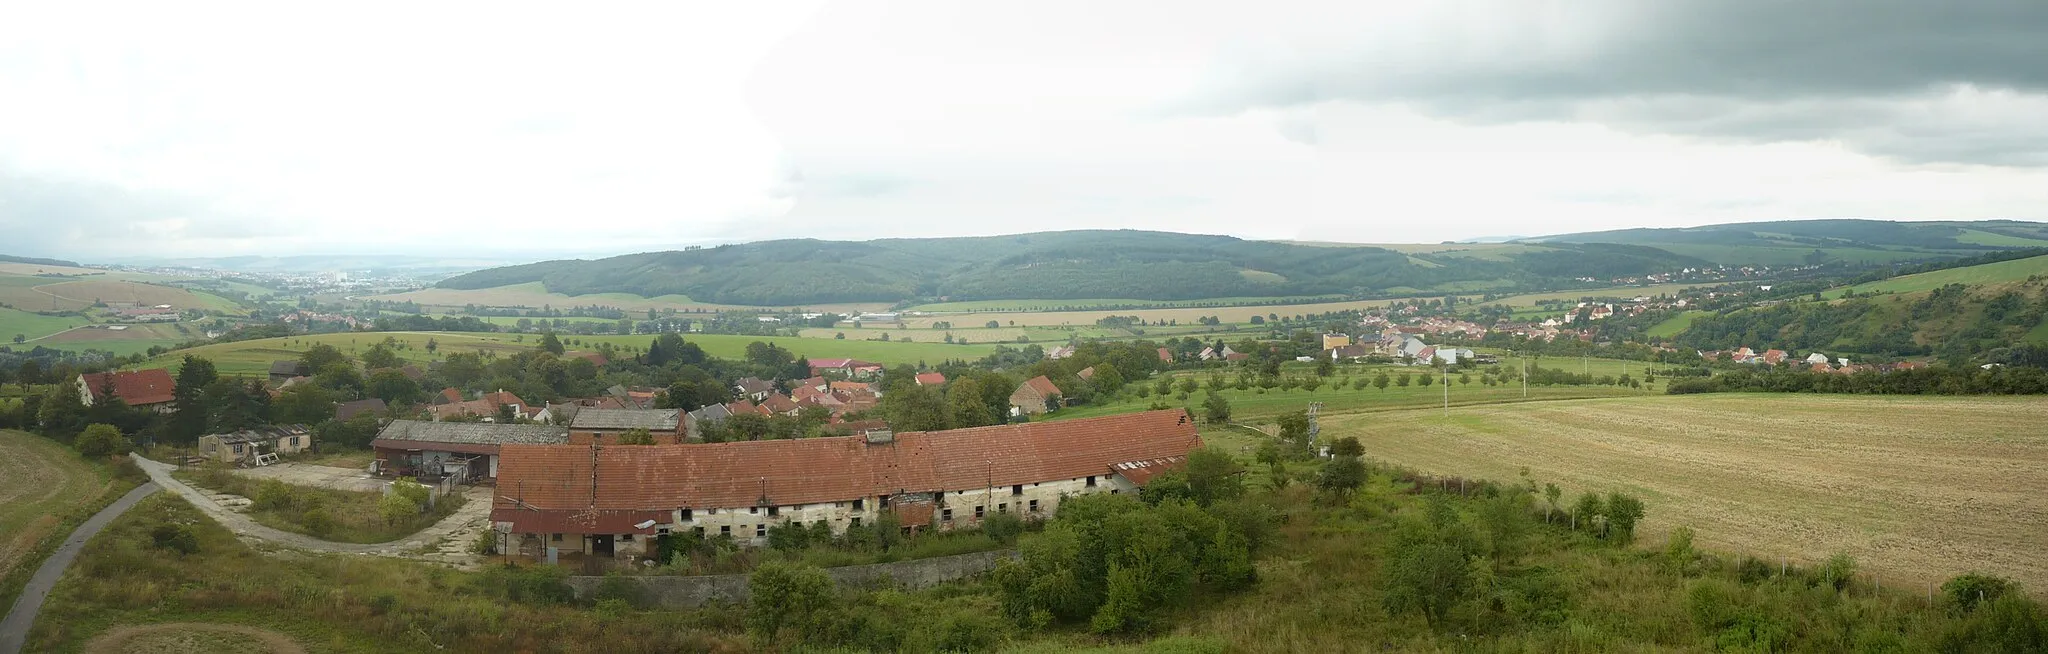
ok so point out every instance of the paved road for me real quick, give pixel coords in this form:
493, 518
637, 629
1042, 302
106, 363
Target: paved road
14, 629
458, 527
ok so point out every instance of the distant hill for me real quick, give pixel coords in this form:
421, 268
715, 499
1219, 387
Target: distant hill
1142, 265
38, 262
1796, 242
1066, 265
368, 263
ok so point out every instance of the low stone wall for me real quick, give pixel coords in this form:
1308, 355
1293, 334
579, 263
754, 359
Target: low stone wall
732, 589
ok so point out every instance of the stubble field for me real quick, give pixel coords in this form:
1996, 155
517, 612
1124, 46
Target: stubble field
1918, 489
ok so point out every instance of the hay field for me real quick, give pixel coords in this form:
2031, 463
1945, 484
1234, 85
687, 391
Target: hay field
1918, 489
40, 482
253, 357
1990, 273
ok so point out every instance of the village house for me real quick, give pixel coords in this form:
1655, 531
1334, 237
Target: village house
777, 404
605, 426
930, 379
346, 410
280, 371
753, 388
1034, 396
617, 502
242, 447
694, 422
1165, 356
1060, 352
1774, 357
488, 408
149, 390
1817, 359
466, 450
847, 368
159, 313
1334, 341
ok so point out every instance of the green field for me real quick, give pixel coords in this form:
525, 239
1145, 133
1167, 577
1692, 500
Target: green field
535, 295
1980, 237
1100, 303
1792, 255
1916, 488
42, 485
1675, 324
1531, 299
254, 357
15, 322
1990, 273
734, 347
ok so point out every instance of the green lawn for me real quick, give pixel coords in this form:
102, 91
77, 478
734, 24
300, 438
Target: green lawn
1675, 324
46, 489
33, 325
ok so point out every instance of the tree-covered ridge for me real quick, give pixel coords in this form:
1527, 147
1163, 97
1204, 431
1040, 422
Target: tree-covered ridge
1957, 323
1862, 239
1061, 265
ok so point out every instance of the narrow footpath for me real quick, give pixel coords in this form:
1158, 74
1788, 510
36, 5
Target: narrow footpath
14, 629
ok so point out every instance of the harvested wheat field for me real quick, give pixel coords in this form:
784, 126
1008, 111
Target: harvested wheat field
1918, 489
40, 481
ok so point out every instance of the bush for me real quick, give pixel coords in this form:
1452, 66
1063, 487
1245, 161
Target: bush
317, 521
486, 543
1966, 592
101, 440
397, 508
1003, 527
174, 537
1838, 571
272, 495
617, 588
125, 469
539, 585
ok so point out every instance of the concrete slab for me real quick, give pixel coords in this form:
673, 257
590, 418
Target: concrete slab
319, 476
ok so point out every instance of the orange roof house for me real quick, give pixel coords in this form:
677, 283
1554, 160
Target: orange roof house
152, 389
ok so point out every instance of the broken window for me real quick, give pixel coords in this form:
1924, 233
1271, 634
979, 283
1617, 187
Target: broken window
1003, 508
625, 538
1017, 489
977, 512
855, 522
725, 530
946, 515
760, 530
1091, 481
1034, 506
753, 510
686, 515
860, 504
774, 511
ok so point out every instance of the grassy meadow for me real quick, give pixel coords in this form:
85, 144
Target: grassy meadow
535, 295
1674, 325
1917, 488
46, 490
1990, 273
15, 322
342, 515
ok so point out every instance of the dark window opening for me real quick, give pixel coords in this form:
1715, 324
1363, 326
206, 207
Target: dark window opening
760, 530
774, 511
855, 522
725, 530
686, 515
977, 512
860, 504
1091, 481
1017, 489
946, 515
882, 502
1034, 506
1003, 508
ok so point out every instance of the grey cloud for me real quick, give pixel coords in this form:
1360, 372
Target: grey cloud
1857, 71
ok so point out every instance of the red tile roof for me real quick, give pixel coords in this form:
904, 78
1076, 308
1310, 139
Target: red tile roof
1043, 386
818, 470
135, 387
1165, 355
930, 379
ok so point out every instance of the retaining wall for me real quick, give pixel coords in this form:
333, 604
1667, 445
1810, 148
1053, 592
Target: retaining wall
677, 591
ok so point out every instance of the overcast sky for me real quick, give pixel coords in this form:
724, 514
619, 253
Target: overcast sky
556, 129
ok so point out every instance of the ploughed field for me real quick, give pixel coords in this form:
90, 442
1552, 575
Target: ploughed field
1918, 489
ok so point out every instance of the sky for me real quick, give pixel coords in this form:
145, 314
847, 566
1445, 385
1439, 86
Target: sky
553, 130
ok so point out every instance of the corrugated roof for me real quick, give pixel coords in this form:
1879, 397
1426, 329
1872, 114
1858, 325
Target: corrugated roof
648, 419
818, 470
473, 433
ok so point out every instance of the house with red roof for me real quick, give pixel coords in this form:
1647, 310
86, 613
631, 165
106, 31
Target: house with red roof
150, 390
1165, 355
930, 379
616, 502
1035, 396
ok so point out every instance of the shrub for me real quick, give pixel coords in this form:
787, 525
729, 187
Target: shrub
486, 543
101, 440
272, 495
617, 588
397, 508
541, 585
1753, 570
383, 603
787, 597
412, 490
1838, 571
1003, 527
1966, 592
174, 537
317, 521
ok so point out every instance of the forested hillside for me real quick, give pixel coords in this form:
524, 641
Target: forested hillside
1167, 266
1061, 265
1958, 323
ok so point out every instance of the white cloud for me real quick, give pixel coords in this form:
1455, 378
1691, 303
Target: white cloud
549, 129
